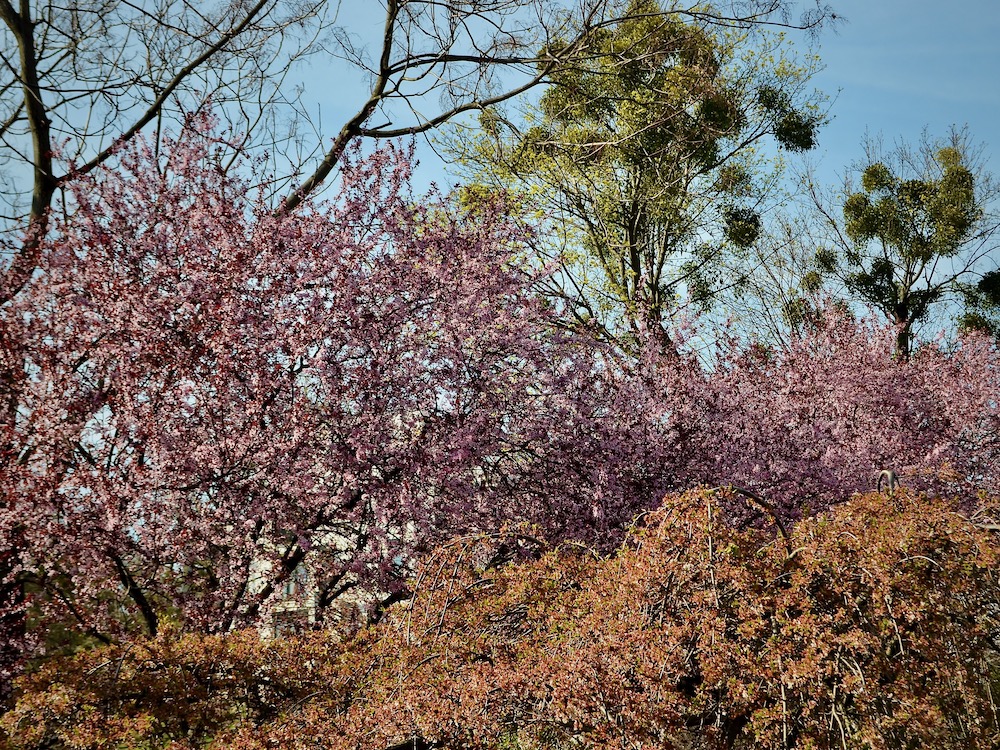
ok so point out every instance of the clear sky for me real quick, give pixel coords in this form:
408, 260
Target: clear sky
896, 67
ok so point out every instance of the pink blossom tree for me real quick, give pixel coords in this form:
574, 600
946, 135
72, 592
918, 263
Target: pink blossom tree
806, 427
209, 395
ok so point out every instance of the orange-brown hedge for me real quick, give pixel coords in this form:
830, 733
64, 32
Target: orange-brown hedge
870, 627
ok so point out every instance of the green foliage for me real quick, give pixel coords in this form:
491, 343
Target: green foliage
919, 218
826, 259
989, 288
795, 130
915, 231
982, 305
645, 158
742, 225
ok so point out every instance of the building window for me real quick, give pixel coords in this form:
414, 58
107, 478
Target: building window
296, 583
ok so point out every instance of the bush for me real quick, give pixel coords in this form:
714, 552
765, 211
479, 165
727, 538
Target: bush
871, 626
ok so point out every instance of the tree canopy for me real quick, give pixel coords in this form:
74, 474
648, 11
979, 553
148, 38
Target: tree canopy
645, 158
210, 395
918, 228
80, 78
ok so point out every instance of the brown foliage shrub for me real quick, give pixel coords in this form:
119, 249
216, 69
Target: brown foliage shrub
870, 627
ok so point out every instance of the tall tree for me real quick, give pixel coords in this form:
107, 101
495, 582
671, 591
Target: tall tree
917, 229
645, 157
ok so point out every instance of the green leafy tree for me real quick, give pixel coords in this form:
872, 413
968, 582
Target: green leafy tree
917, 231
646, 159
982, 304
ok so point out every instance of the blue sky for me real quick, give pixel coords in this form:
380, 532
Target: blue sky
896, 67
